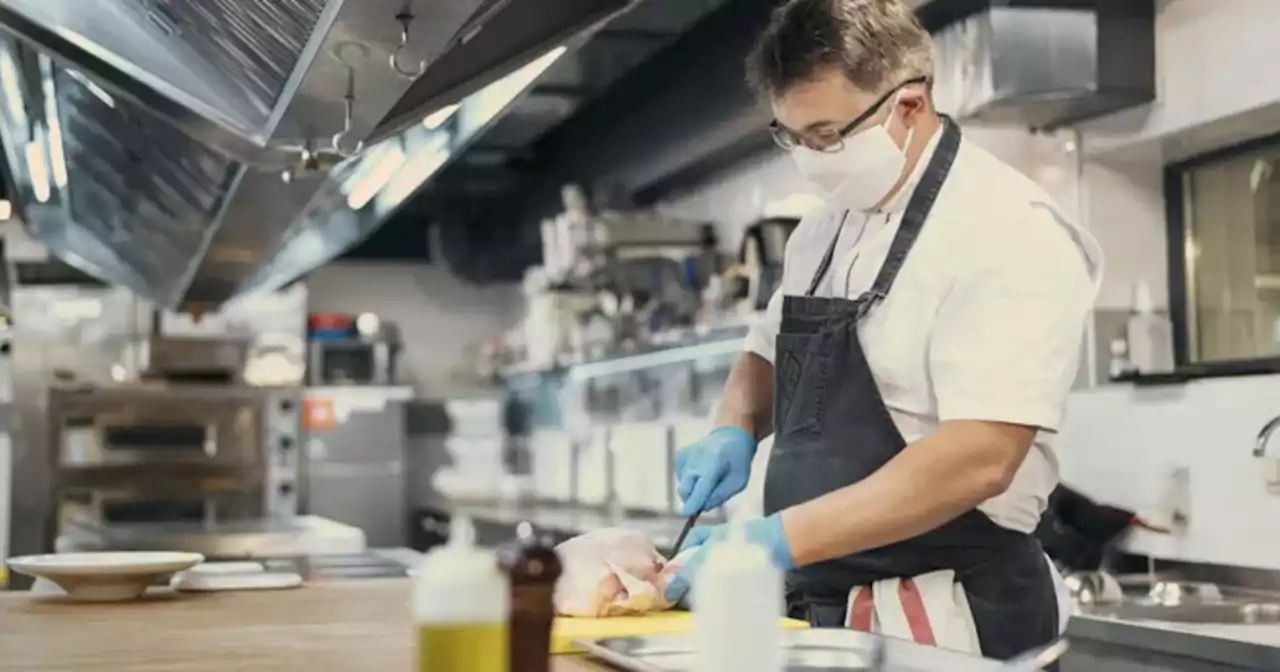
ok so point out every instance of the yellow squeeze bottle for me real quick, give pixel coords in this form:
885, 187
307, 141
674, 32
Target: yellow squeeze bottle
460, 606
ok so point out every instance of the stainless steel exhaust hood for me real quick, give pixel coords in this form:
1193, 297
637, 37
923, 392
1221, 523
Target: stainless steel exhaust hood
1042, 63
196, 150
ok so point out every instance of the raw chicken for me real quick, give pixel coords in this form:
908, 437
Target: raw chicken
612, 572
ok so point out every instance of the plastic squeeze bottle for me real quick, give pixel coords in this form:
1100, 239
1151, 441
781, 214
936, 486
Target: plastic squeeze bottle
533, 567
460, 606
737, 607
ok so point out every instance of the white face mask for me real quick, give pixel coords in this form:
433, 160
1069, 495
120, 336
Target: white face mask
864, 170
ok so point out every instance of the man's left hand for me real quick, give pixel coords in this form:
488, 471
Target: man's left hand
766, 533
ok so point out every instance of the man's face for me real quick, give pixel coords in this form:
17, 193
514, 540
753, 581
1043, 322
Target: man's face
818, 108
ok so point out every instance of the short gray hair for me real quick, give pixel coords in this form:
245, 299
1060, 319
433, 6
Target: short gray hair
877, 44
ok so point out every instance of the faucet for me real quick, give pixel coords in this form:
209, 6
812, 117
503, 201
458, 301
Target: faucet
1264, 436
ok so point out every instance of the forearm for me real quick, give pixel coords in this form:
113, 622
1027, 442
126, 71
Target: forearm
748, 396
929, 483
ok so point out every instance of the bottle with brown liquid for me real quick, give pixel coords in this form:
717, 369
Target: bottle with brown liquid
533, 569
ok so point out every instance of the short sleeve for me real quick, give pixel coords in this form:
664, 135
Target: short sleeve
764, 333
1007, 341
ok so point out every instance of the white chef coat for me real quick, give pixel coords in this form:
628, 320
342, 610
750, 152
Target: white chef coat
985, 320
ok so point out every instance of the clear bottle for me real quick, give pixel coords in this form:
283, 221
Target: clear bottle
1150, 336
737, 607
460, 606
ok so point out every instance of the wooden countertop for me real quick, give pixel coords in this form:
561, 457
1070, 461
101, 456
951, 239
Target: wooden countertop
324, 627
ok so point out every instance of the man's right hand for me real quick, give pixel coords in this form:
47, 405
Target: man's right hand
714, 469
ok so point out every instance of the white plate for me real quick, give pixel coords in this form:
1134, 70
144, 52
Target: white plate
196, 581
104, 577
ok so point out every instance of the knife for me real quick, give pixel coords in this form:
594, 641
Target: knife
684, 532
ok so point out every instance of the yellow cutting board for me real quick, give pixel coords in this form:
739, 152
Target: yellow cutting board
568, 630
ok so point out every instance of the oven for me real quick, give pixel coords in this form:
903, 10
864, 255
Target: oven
166, 452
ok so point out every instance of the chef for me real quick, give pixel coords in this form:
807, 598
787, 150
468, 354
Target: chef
913, 366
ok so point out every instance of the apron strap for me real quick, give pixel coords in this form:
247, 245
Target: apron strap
825, 264
922, 200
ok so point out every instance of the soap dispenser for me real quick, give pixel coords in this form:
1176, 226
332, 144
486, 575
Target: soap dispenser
737, 607
1149, 336
460, 606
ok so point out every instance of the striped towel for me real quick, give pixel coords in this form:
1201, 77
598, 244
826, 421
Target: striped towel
928, 609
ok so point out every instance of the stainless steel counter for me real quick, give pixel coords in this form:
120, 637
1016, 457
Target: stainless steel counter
1107, 645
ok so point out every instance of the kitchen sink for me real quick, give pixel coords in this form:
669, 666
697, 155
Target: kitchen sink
1162, 598
1234, 613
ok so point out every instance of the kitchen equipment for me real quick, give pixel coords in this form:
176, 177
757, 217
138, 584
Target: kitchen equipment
104, 577
354, 468
351, 350
817, 650
223, 540
157, 452
572, 635
251, 140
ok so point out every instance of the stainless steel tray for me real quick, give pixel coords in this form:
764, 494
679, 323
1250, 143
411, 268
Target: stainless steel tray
822, 650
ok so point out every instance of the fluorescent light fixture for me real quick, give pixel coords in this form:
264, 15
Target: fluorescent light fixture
418, 170
493, 99
436, 119
97, 91
57, 155
6, 210
11, 85
383, 168
38, 168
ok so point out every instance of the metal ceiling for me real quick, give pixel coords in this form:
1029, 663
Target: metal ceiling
147, 139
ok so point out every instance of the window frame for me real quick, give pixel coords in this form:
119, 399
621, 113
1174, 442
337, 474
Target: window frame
1177, 230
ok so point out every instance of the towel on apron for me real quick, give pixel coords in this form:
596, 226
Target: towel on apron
930, 609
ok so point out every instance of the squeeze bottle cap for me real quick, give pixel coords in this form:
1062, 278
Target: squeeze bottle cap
462, 532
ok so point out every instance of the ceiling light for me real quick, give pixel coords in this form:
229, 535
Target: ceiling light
38, 169
436, 119
384, 167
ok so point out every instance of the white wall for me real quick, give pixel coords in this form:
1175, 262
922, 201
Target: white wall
1119, 442
442, 318
1125, 210
1213, 60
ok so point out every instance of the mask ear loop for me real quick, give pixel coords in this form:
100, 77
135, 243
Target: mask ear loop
911, 132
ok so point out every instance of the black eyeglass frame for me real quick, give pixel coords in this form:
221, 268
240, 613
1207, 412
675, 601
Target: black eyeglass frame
788, 139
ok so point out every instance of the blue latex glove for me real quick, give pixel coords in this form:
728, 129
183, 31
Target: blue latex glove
763, 532
714, 468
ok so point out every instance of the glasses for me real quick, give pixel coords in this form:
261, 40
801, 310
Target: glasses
829, 140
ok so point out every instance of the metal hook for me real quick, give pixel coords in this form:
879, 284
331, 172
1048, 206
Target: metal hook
405, 17
342, 139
